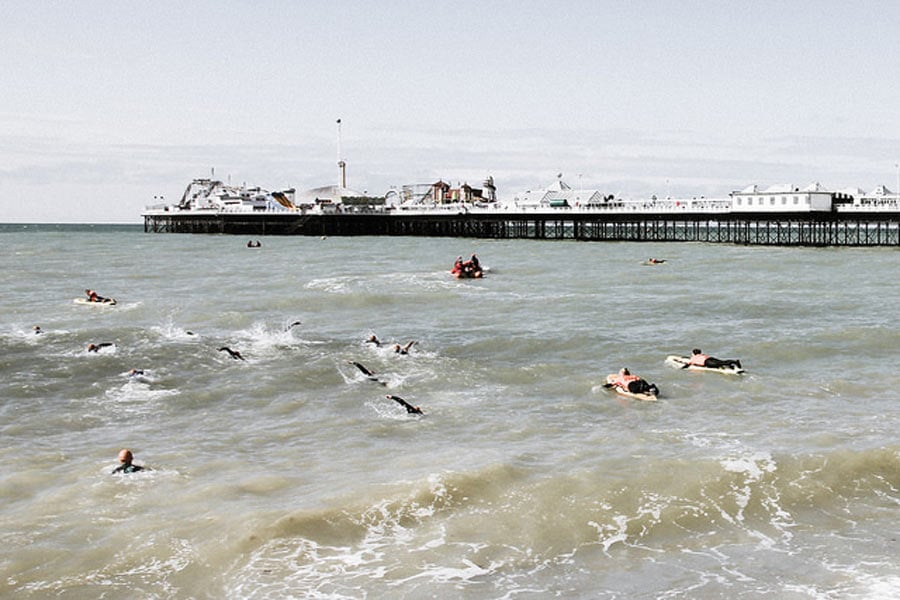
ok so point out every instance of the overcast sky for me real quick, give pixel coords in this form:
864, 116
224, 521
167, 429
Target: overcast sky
105, 105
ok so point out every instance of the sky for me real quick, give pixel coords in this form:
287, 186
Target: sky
106, 107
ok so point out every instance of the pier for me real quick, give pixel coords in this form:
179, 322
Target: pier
834, 228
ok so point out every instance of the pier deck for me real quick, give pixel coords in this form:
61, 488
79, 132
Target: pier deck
775, 229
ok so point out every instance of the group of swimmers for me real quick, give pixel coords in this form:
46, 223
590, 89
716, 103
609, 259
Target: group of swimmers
398, 349
125, 455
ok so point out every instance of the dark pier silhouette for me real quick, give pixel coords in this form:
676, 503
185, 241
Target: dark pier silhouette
775, 229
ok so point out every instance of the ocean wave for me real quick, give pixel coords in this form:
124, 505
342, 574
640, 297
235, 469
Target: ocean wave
500, 523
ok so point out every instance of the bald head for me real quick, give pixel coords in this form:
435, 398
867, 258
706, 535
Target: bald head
125, 456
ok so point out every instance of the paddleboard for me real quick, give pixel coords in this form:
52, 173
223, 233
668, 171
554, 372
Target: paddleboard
620, 391
110, 302
681, 362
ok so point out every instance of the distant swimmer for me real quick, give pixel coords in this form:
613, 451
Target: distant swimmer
362, 368
704, 360
294, 324
655, 261
98, 347
94, 297
415, 410
126, 466
405, 348
232, 353
373, 340
135, 372
37, 330
366, 372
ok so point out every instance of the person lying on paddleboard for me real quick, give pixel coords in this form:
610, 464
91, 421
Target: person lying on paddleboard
94, 297
632, 383
125, 457
704, 360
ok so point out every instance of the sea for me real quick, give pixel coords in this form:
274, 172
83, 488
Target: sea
292, 474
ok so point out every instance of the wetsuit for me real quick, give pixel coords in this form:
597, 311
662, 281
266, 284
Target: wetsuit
415, 410
129, 468
98, 347
640, 386
705, 360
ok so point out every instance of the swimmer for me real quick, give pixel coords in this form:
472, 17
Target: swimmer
233, 353
405, 348
135, 372
294, 324
126, 466
415, 410
374, 340
37, 330
98, 347
366, 372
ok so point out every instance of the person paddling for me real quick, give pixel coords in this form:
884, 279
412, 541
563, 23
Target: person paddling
699, 359
94, 297
632, 383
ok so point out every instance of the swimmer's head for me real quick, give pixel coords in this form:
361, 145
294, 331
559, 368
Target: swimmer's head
625, 371
125, 456
92, 347
695, 351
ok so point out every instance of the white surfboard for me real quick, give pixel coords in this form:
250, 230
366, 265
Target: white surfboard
682, 362
110, 302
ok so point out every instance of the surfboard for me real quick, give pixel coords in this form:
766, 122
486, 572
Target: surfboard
110, 302
681, 362
621, 392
